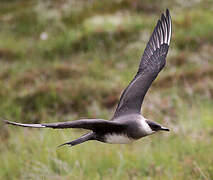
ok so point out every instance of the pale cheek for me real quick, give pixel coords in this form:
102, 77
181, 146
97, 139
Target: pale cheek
145, 127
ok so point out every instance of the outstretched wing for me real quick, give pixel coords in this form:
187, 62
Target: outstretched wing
152, 62
91, 124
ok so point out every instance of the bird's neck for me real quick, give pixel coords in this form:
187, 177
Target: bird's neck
145, 127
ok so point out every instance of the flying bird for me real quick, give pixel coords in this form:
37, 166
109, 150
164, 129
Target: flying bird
127, 123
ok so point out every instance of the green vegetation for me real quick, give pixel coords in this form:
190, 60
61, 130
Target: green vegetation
65, 60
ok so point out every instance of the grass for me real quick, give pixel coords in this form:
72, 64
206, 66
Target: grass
182, 154
59, 63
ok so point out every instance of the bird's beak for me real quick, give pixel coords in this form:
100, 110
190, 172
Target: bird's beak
164, 129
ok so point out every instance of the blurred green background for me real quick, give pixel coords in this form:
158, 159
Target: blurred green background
68, 59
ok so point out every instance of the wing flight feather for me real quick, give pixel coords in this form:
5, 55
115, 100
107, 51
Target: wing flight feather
90, 124
152, 62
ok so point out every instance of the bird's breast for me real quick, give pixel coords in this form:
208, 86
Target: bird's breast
117, 139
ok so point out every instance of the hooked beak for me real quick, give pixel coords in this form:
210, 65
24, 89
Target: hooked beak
164, 129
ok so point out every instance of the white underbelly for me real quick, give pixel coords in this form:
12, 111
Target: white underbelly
118, 139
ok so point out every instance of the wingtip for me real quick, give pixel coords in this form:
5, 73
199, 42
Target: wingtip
167, 12
169, 22
168, 16
4, 120
60, 145
64, 145
8, 122
23, 125
162, 17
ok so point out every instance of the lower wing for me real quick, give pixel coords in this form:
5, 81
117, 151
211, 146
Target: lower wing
91, 124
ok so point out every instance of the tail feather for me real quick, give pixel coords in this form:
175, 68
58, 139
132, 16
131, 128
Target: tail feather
84, 138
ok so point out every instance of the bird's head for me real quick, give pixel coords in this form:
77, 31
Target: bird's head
155, 126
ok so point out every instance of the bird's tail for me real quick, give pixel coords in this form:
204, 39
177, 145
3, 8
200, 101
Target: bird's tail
85, 137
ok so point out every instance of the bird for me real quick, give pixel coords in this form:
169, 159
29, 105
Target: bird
127, 124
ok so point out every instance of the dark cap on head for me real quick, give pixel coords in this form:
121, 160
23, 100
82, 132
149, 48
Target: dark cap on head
155, 126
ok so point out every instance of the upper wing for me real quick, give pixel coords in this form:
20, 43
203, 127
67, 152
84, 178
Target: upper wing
152, 62
91, 124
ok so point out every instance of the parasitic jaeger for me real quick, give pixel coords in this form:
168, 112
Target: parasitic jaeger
127, 123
